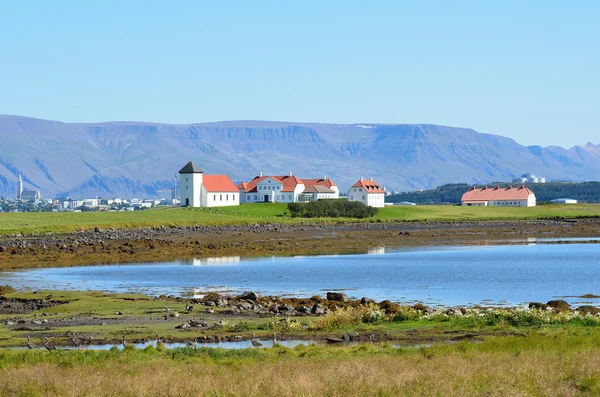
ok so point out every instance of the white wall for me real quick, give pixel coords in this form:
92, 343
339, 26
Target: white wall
189, 189
219, 199
370, 199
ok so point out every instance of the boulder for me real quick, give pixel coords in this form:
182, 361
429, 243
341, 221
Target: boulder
537, 305
587, 309
366, 301
249, 295
337, 297
287, 308
245, 305
317, 309
559, 305
6, 289
303, 309
2, 248
389, 307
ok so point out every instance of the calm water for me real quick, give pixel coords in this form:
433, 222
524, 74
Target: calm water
508, 275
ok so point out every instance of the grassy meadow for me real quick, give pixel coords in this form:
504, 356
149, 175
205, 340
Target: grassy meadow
64, 222
563, 363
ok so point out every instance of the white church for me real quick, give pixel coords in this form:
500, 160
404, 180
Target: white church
199, 190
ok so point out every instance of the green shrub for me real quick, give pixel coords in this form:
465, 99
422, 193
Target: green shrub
331, 209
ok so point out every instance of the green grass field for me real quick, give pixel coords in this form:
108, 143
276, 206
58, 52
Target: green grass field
48, 222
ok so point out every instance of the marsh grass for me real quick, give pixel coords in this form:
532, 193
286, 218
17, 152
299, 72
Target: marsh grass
564, 363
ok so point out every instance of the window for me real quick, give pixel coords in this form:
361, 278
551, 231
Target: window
215, 197
255, 197
220, 197
363, 197
226, 197
233, 197
186, 187
290, 197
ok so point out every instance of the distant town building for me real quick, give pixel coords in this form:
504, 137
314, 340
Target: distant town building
497, 196
31, 195
564, 201
528, 177
286, 189
199, 190
367, 192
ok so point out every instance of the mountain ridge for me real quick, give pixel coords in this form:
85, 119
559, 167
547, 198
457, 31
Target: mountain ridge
140, 158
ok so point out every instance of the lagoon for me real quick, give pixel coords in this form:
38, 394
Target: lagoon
504, 275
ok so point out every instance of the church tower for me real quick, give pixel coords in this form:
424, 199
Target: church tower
190, 185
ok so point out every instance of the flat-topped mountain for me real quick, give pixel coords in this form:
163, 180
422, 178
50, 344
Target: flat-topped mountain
139, 159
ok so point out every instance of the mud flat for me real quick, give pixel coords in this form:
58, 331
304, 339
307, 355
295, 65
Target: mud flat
109, 246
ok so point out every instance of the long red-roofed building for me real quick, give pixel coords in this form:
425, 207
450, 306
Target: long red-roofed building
499, 196
286, 189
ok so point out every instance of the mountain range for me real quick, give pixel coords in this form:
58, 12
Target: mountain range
140, 159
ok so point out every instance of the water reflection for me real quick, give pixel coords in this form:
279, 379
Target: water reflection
211, 261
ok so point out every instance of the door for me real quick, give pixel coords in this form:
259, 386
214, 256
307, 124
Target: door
187, 202
266, 198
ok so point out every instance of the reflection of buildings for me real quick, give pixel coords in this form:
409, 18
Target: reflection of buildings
528, 177
376, 251
214, 261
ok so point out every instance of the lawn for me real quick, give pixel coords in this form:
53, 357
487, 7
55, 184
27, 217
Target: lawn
62, 222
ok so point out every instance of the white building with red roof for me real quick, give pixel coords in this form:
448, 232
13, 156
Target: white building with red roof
286, 189
367, 192
499, 196
199, 190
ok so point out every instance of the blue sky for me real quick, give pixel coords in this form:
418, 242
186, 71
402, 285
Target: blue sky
527, 70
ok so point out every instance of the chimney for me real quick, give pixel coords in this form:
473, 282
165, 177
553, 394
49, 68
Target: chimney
361, 178
371, 179
260, 174
290, 173
324, 177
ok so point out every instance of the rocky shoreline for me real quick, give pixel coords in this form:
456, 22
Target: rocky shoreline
106, 246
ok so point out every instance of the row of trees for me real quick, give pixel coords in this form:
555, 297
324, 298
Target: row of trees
331, 209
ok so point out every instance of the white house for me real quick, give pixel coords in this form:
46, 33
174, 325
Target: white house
199, 190
367, 192
497, 196
286, 189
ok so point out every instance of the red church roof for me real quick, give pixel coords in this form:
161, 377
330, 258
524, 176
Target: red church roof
496, 193
218, 183
370, 186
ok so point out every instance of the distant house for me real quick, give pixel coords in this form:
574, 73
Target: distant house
497, 196
528, 177
367, 192
286, 189
199, 190
564, 201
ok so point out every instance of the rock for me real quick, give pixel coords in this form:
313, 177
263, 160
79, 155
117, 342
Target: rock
287, 308
537, 305
249, 295
221, 302
303, 309
366, 301
389, 307
559, 305
6, 289
245, 305
96, 229
317, 309
210, 303
346, 338
421, 308
587, 309
118, 313
337, 296
2, 249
